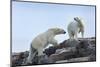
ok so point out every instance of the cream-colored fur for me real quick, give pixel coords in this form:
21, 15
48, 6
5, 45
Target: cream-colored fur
75, 27
43, 40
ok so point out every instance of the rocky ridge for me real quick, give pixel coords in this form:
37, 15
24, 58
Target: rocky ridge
81, 50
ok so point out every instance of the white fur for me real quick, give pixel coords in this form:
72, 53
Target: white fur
42, 40
75, 27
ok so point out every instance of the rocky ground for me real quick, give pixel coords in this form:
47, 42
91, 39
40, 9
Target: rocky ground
82, 50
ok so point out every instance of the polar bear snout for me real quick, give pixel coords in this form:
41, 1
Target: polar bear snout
64, 32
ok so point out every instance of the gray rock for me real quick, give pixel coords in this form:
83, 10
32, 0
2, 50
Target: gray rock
80, 59
85, 49
65, 44
75, 49
68, 43
63, 54
50, 50
72, 43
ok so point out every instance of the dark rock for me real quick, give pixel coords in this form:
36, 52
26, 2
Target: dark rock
65, 44
18, 59
84, 48
63, 54
72, 43
26, 54
68, 43
44, 60
92, 57
50, 50
75, 49
80, 59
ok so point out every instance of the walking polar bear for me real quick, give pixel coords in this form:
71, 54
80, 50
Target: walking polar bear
43, 40
75, 27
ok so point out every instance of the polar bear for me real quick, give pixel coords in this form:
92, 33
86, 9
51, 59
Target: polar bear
75, 27
43, 40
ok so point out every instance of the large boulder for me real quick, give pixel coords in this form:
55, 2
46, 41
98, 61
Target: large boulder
72, 43
50, 50
85, 49
17, 59
82, 49
62, 54
65, 44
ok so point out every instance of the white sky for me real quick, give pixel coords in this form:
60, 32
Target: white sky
30, 19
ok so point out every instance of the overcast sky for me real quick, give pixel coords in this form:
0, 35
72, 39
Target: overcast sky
30, 19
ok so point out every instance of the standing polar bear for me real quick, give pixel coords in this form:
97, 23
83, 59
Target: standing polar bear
43, 40
75, 27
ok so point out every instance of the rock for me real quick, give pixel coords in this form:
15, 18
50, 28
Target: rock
92, 58
62, 61
58, 51
44, 60
80, 59
83, 49
67, 43
18, 59
50, 50
72, 43
75, 49
63, 54
26, 53
63, 44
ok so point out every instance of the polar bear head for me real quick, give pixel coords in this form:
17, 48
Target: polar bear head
57, 31
77, 19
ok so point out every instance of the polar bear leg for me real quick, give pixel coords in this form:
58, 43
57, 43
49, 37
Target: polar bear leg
40, 51
32, 54
71, 35
75, 36
29, 59
82, 34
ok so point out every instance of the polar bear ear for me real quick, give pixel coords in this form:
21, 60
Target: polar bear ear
77, 19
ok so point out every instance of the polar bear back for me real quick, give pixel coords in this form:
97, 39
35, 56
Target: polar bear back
39, 41
43, 39
72, 27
